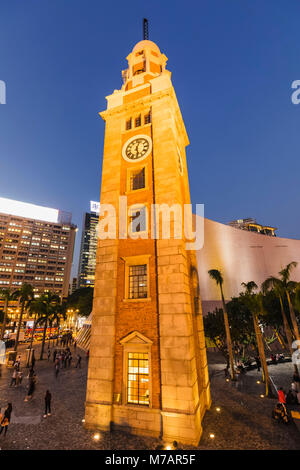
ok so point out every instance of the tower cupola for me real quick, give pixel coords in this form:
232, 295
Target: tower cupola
144, 63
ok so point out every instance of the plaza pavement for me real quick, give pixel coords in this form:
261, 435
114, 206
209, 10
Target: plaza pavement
243, 422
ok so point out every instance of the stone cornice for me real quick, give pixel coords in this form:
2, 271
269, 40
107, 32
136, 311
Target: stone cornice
147, 101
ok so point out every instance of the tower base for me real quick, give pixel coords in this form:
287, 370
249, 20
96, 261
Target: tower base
170, 426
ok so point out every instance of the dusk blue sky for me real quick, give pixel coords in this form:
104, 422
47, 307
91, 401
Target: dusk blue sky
232, 63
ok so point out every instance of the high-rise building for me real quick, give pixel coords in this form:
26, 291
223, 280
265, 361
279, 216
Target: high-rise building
148, 367
88, 248
36, 247
73, 285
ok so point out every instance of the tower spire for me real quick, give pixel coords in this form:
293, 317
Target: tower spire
145, 29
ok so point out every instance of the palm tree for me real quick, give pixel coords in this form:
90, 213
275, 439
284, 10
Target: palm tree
59, 313
290, 286
216, 275
25, 296
35, 310
7, 295
275, 284
47, 304
280, 286
254, 303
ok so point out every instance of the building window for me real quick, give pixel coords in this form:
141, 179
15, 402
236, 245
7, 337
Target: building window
138, 379
138, 282
128, 124
137, 179
138, 219
147, 118
138, 121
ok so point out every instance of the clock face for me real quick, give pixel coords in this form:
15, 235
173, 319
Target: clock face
137, 148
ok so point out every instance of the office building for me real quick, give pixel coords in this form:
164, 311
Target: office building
36, 247
88, 248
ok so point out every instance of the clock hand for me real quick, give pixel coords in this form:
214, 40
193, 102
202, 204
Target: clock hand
134, 148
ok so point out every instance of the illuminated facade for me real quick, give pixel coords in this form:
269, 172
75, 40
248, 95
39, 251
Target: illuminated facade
88, 248
148, 368
36, 247
242, 256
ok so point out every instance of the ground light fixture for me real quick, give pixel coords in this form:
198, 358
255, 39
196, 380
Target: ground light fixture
262, 396
218, 408
96, 436
258, 382
83, 420
172, 446
212, 436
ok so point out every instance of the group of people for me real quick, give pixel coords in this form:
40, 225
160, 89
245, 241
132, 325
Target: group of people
5, 415
275, 358
67, 339
63, 358
280, 412
293, 395
17, 378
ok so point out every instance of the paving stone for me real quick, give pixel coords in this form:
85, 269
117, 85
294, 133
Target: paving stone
244, 421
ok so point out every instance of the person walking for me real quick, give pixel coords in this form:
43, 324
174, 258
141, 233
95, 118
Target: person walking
19, 377
5, 419
47, 404
18, 362
48, 354
14, 378
78, 363
56, 368
69, 359
31, 388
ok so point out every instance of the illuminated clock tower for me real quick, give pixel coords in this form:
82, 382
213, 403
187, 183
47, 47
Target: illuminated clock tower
148, 367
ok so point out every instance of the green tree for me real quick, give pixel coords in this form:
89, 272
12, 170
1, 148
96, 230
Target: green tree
215, 330
289, 288
280, 287
82, 300
35, 311
272, 283
25, 297
241, 327
58, 314
272, 317
254, 303
7, 295
45, 307
216, 275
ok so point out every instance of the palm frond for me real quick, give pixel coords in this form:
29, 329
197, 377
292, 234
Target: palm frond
216, 275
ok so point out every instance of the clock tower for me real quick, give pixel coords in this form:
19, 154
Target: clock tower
147, 368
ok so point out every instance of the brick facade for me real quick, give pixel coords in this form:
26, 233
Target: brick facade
167, 324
